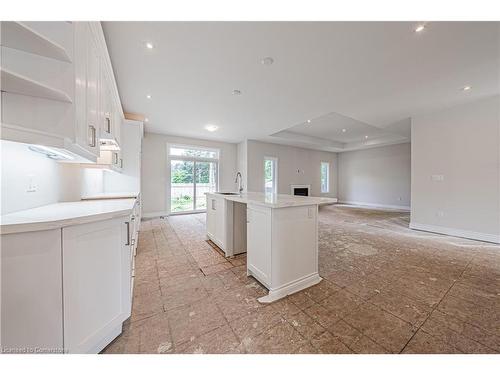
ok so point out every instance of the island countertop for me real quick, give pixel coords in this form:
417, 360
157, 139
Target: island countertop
115, 195
275, 200
59, 215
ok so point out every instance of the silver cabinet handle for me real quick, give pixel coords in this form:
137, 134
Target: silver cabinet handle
93, 138
121, 163
115, 158
214, 207
128, 233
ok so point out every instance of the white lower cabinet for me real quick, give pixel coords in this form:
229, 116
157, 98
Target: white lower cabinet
220, 222
96, 267
259, 237
67, 290
216, 220
211, 212
32, 317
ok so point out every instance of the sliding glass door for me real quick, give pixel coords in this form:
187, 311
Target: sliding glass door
205, 182
181, 186
191, 176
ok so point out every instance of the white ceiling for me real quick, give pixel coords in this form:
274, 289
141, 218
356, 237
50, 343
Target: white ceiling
367, 77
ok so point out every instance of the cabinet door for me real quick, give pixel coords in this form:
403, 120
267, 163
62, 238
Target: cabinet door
259, 243
94, 258
220, 223
92, 97
80, 63
211, 219
32, 309
128, 266
117, 123
105, 111
107, 108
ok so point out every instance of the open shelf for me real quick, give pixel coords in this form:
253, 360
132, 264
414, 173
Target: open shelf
19, 36
17, 84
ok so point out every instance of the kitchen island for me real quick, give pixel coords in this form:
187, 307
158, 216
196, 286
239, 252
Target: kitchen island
279, 233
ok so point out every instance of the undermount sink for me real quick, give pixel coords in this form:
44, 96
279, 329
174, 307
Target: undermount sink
228, 193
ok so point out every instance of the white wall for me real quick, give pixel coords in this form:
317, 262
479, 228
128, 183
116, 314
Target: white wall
295, 166
155, 179
376, 177
55, 181
462, 145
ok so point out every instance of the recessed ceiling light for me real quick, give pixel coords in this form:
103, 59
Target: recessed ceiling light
211, 128
466, 88
366, 137
344, 130
148, 96
149, 45
419, 28
146, 119
236, 92
308, 121
267, 61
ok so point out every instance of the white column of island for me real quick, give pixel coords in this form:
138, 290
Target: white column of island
278, 232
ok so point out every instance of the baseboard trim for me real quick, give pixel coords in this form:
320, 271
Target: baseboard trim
151, 215
471, 235
376, 205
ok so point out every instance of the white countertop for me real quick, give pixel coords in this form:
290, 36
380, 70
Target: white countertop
276, 200
59, 215
118, 195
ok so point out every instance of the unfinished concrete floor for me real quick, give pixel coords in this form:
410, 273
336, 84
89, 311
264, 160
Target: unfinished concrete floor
386, 289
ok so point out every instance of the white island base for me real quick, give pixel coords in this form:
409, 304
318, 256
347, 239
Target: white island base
291, 288
281, 239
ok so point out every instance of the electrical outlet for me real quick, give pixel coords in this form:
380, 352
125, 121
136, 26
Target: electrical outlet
32, 185
400, 199
440, 214
437, 177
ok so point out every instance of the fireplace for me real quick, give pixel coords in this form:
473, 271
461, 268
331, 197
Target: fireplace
302, 190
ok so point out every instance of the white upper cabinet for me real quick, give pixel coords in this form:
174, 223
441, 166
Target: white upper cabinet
108, 125
58, 86
94, 114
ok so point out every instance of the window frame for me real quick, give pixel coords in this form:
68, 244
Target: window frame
193, 147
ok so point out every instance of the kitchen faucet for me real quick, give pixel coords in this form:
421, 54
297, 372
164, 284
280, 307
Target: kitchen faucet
238, 181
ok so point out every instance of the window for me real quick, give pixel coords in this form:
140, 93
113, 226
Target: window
193, 172
325, 177
195, 152
270, 175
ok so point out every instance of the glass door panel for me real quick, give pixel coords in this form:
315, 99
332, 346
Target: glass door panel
181, 186
206, 182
